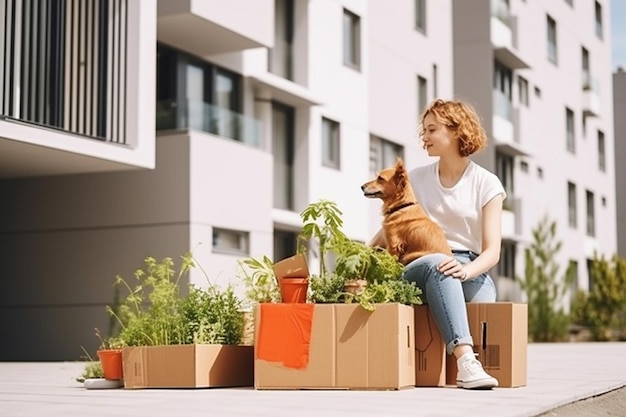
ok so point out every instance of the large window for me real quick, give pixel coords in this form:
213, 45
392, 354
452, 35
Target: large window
351, 40
420, 15
506, 265
281, 55
572, 211
591, 215
283, 138
601, 152
569, 127
331, 144
599, 26
195, 94
383, 153
585, 68
522, 90
502, 90
504, 170
422, 94
552, 40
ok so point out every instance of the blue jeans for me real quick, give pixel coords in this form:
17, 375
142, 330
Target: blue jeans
446, 296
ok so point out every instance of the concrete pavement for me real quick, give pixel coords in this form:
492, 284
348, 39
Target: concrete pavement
558, 374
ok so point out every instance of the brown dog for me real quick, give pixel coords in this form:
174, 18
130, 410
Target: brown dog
408, 231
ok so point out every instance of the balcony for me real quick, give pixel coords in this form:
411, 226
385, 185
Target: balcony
208, 27
591, 95
505, 125
190, 114
503, 32
511, 219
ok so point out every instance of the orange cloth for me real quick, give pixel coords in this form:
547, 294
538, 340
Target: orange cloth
285, 334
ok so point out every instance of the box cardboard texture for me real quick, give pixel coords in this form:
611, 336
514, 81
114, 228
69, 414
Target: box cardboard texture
188, 366
350, 348
430, 350
292, 267
500, 333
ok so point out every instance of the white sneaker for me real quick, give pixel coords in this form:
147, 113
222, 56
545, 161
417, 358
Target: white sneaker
471, 374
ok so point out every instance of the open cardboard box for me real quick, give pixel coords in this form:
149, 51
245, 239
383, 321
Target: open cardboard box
334, 346
188, 366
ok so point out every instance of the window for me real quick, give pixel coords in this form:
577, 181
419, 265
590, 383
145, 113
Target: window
590, 283
233, 242
572, 271
585, 68
522, 90
504, 171
285, 244
351, 40
524, 166
539, 173
420, 15
330, 144
281, 55
601, 152
422, 94
502, 91
383, 153
283, 145
599, 28
552, 45
571, 205
591, 217
570, 2
435, 71
506, 265
569, 126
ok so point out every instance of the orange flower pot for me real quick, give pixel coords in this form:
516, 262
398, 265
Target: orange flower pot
111, 360
294, 290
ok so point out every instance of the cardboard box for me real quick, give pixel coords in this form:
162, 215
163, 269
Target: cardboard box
346, 347
292, 267
188, 366
430, 350
500, 333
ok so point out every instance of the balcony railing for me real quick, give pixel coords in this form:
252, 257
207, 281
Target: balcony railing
501, 10
502, 105
198, 115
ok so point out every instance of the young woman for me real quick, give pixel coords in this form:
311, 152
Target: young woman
466, 200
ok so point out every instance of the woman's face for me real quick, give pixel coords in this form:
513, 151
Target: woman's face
438, 139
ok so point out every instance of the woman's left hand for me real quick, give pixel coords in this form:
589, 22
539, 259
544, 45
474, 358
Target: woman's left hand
451, 266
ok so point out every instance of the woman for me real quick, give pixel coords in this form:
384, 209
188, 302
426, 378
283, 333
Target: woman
466, 200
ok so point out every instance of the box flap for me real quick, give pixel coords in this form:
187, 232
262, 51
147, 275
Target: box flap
292, 267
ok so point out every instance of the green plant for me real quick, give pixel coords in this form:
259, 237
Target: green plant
92, 368
326, 289
261, 284
212, 316
321, 221
357, 260
110, 342
155, 312
603, 309
391, 291
545, 290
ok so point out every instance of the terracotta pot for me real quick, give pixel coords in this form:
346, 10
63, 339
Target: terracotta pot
111, 360
294, 290
355, 286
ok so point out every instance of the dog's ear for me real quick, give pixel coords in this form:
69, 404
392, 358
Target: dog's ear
401, 177
399, 163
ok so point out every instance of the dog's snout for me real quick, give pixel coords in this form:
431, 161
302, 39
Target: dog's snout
363, 187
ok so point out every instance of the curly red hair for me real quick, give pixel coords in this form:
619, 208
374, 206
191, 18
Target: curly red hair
462, 119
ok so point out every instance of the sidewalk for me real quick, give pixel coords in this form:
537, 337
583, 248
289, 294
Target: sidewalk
558, 374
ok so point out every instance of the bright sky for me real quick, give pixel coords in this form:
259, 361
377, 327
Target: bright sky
618, 33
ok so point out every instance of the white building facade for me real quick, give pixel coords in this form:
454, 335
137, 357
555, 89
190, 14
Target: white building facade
208, 126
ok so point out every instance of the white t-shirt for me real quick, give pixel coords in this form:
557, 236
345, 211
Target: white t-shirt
458, 210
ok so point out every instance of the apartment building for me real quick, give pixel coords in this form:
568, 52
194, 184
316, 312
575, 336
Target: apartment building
619, 108
136, 128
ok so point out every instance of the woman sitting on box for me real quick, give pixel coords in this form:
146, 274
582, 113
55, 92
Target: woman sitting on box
465, 199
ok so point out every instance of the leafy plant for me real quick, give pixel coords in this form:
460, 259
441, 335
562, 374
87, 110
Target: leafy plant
545, 290
260, 280
155, 312
357, 260
391, 291
212, 316
603, 309
92, 368
322, 222
326, 289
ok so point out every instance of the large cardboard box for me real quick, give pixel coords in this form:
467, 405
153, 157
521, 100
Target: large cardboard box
500, 333
334, 346
188, 366
430, 350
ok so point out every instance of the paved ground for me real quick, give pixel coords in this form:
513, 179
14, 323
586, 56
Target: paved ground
558, 375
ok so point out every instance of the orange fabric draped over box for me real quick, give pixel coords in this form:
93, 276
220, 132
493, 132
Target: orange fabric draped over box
285, 334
